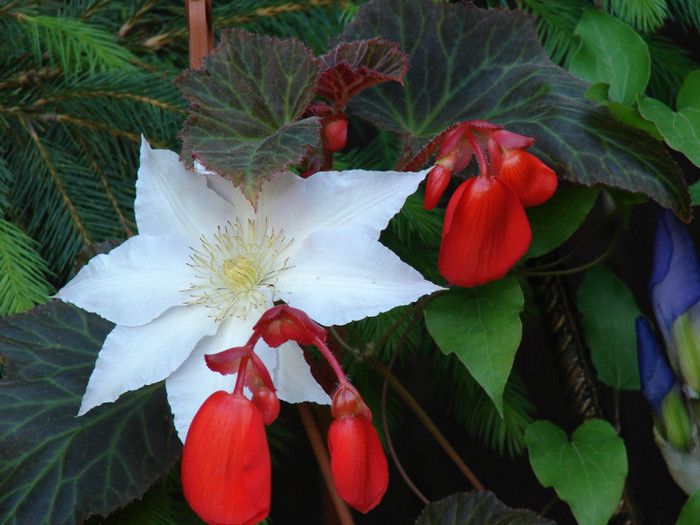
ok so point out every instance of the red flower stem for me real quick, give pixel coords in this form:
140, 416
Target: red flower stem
427, 422
324, 463
342, 379
240, 379
200, 28
480, 156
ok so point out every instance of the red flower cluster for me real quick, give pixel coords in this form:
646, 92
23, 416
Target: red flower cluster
486, 230
226, 461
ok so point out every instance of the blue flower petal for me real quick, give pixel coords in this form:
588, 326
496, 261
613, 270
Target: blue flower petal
675, 278
655, 373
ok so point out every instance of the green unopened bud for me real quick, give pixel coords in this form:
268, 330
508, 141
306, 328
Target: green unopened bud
685, 334
676, 420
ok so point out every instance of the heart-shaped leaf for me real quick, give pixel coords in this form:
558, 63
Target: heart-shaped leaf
609, 312
495, 69
587, 472
481, 325
354, 66
476, 508
244, 108
57, 468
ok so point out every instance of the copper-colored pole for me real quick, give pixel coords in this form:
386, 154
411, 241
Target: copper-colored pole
201, 30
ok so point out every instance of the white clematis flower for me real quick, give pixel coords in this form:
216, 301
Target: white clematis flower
206, 265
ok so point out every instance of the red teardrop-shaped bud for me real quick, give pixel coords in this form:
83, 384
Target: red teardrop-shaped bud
268, 403
283, 323
226, 462
438, 179
484, 234
358, 464
335, 134
531, 179
347, 401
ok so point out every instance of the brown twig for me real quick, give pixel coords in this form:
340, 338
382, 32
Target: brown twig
201, 30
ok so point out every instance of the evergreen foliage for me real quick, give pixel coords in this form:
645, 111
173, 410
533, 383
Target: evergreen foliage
642, 15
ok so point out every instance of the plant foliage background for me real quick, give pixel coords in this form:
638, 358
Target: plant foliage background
81, 81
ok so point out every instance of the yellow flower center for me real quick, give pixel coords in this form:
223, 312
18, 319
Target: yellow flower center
237, 269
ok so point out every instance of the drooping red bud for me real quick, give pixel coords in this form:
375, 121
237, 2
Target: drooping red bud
226, 462
335, 134
531, 179
438, 179
268, 403
283, 323
358, 464
347, 401
228, 361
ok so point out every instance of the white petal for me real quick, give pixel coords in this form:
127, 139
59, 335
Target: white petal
340, 276
291, 374
134, 356
225, 189
356, 199
193, 382
135, 282
171, 200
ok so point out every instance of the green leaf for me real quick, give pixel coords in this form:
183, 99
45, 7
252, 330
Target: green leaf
680, 129
588, 472
495, 69
690, 514
57, 468
629, 115
554, 221
609, 312
689, 94
476, 508
244, 108
23, 272
695, 193
611, 52
481, 325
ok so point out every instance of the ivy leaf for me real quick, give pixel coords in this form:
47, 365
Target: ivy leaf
609, 312
245, 103
587, 472
495, 69
481, 325
354, 66
599, 57
554, 221
57, 468
476, 508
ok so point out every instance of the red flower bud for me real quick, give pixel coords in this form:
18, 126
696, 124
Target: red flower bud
226, 462
438, 179
283, 323
358, 464
347, 401
335, 134
268, 403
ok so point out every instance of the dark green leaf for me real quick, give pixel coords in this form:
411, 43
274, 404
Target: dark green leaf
244, 108
609, 312
467, 64
554, 221
588, 472
476, 508
481, 325
57, 468
690, 515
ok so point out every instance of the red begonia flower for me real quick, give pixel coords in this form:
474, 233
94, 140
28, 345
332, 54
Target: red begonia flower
283, 323
531, 179
358, 464
226, 462
438, 179
484, 234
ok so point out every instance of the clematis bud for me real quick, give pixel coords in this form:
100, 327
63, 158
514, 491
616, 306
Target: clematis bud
358, 464
226, 462
283, 323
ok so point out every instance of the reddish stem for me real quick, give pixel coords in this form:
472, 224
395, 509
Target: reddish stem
201, 30
342, 379
240, 380
480, 155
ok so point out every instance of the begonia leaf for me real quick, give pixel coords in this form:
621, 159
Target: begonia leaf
57, 468
554, 221
476, 508
354, 66
481, 325
598, 58
587, 472
609, 312
245, 104
495, 69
